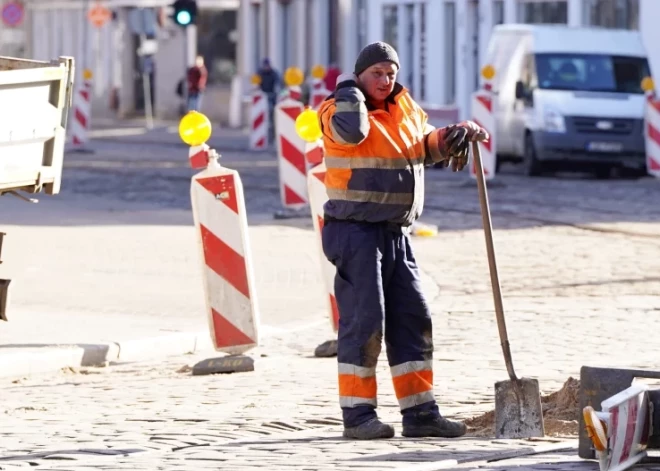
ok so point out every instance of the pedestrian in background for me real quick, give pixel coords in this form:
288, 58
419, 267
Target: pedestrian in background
270, 85
377, 141
197, 77
330, 79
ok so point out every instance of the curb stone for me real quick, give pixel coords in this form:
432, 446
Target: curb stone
26, 361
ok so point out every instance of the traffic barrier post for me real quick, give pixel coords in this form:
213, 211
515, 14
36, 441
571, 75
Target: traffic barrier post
82, 114
318, 91
308, 129
483, 114
292, 166
259, 119
652, 128
220, 220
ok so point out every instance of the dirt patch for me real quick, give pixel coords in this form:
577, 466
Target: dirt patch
560, 414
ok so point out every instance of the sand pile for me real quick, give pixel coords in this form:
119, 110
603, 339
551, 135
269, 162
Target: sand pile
560, 414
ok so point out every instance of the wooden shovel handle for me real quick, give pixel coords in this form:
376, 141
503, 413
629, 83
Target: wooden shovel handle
492, 265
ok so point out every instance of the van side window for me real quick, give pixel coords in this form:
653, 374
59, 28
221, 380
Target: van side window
529, 78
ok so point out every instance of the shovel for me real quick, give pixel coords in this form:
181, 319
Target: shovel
518, 412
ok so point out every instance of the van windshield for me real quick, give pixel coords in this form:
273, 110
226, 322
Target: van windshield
591, 72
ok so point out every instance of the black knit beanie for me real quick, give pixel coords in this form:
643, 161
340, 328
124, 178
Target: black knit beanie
373, 54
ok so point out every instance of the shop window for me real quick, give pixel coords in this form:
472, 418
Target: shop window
216, 41
621, 14
545, 12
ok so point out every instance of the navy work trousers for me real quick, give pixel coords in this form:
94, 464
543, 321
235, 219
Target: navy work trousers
377, 284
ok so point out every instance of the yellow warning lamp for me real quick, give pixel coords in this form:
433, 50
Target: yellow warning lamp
307, 125
255, 79
648, 85
596, 428
488, 72
87, 74
293, 77
194, 128
318, 71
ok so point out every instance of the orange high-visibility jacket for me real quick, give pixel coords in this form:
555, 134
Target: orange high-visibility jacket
375, 159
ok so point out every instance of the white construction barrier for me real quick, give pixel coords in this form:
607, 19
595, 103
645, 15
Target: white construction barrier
620, 433
290, 155
259, 121
652, 130
318, 93
220, 219
293, 92
317, 198
82, 113
483, 115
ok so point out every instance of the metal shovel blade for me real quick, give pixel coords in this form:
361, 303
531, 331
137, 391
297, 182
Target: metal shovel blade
518, 411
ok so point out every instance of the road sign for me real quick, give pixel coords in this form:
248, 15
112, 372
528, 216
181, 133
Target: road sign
99, 15
12, 14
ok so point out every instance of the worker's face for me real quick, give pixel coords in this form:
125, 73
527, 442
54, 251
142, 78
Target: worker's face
378, 80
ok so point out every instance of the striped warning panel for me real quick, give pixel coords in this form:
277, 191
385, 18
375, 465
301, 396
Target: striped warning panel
221, 224
291, 160
653, 136
317, 198
482, 115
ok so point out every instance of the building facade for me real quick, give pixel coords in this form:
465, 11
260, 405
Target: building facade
114, 53
441, 43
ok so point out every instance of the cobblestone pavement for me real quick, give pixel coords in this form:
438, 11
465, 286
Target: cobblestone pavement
578, 261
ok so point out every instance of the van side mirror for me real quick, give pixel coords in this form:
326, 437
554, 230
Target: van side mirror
520, 90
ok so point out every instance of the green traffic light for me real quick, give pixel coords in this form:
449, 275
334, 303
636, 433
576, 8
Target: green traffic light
183, 18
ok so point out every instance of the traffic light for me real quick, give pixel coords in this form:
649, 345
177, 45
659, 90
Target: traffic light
185, 12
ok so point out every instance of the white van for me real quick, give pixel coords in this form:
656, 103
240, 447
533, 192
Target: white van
566, 95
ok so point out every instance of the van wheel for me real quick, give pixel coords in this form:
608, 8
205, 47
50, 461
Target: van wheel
533, 167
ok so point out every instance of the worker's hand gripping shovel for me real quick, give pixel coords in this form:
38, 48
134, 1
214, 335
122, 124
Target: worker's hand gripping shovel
518, 412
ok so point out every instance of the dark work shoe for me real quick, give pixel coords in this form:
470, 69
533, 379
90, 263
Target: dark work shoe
370, 430
433, 426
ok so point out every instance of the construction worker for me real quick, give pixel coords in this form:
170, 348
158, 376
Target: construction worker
377, 142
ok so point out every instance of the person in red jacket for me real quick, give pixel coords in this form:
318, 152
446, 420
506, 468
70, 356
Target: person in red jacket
197, 77
330, 78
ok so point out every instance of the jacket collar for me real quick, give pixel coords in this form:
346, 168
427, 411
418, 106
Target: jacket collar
391, 98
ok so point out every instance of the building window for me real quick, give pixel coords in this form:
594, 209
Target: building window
498, 12
450, 52
390, 26
545, 12
621, 14
216, 31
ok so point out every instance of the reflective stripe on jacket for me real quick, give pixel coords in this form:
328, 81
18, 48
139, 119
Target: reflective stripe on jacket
375, 158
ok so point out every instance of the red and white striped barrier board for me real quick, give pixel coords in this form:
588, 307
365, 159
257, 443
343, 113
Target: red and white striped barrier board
317, 198
82, 113
220, 217
290, 155
259, 120
652, 134
318, 93
483, 115
623, 431
313, 153
291, 93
